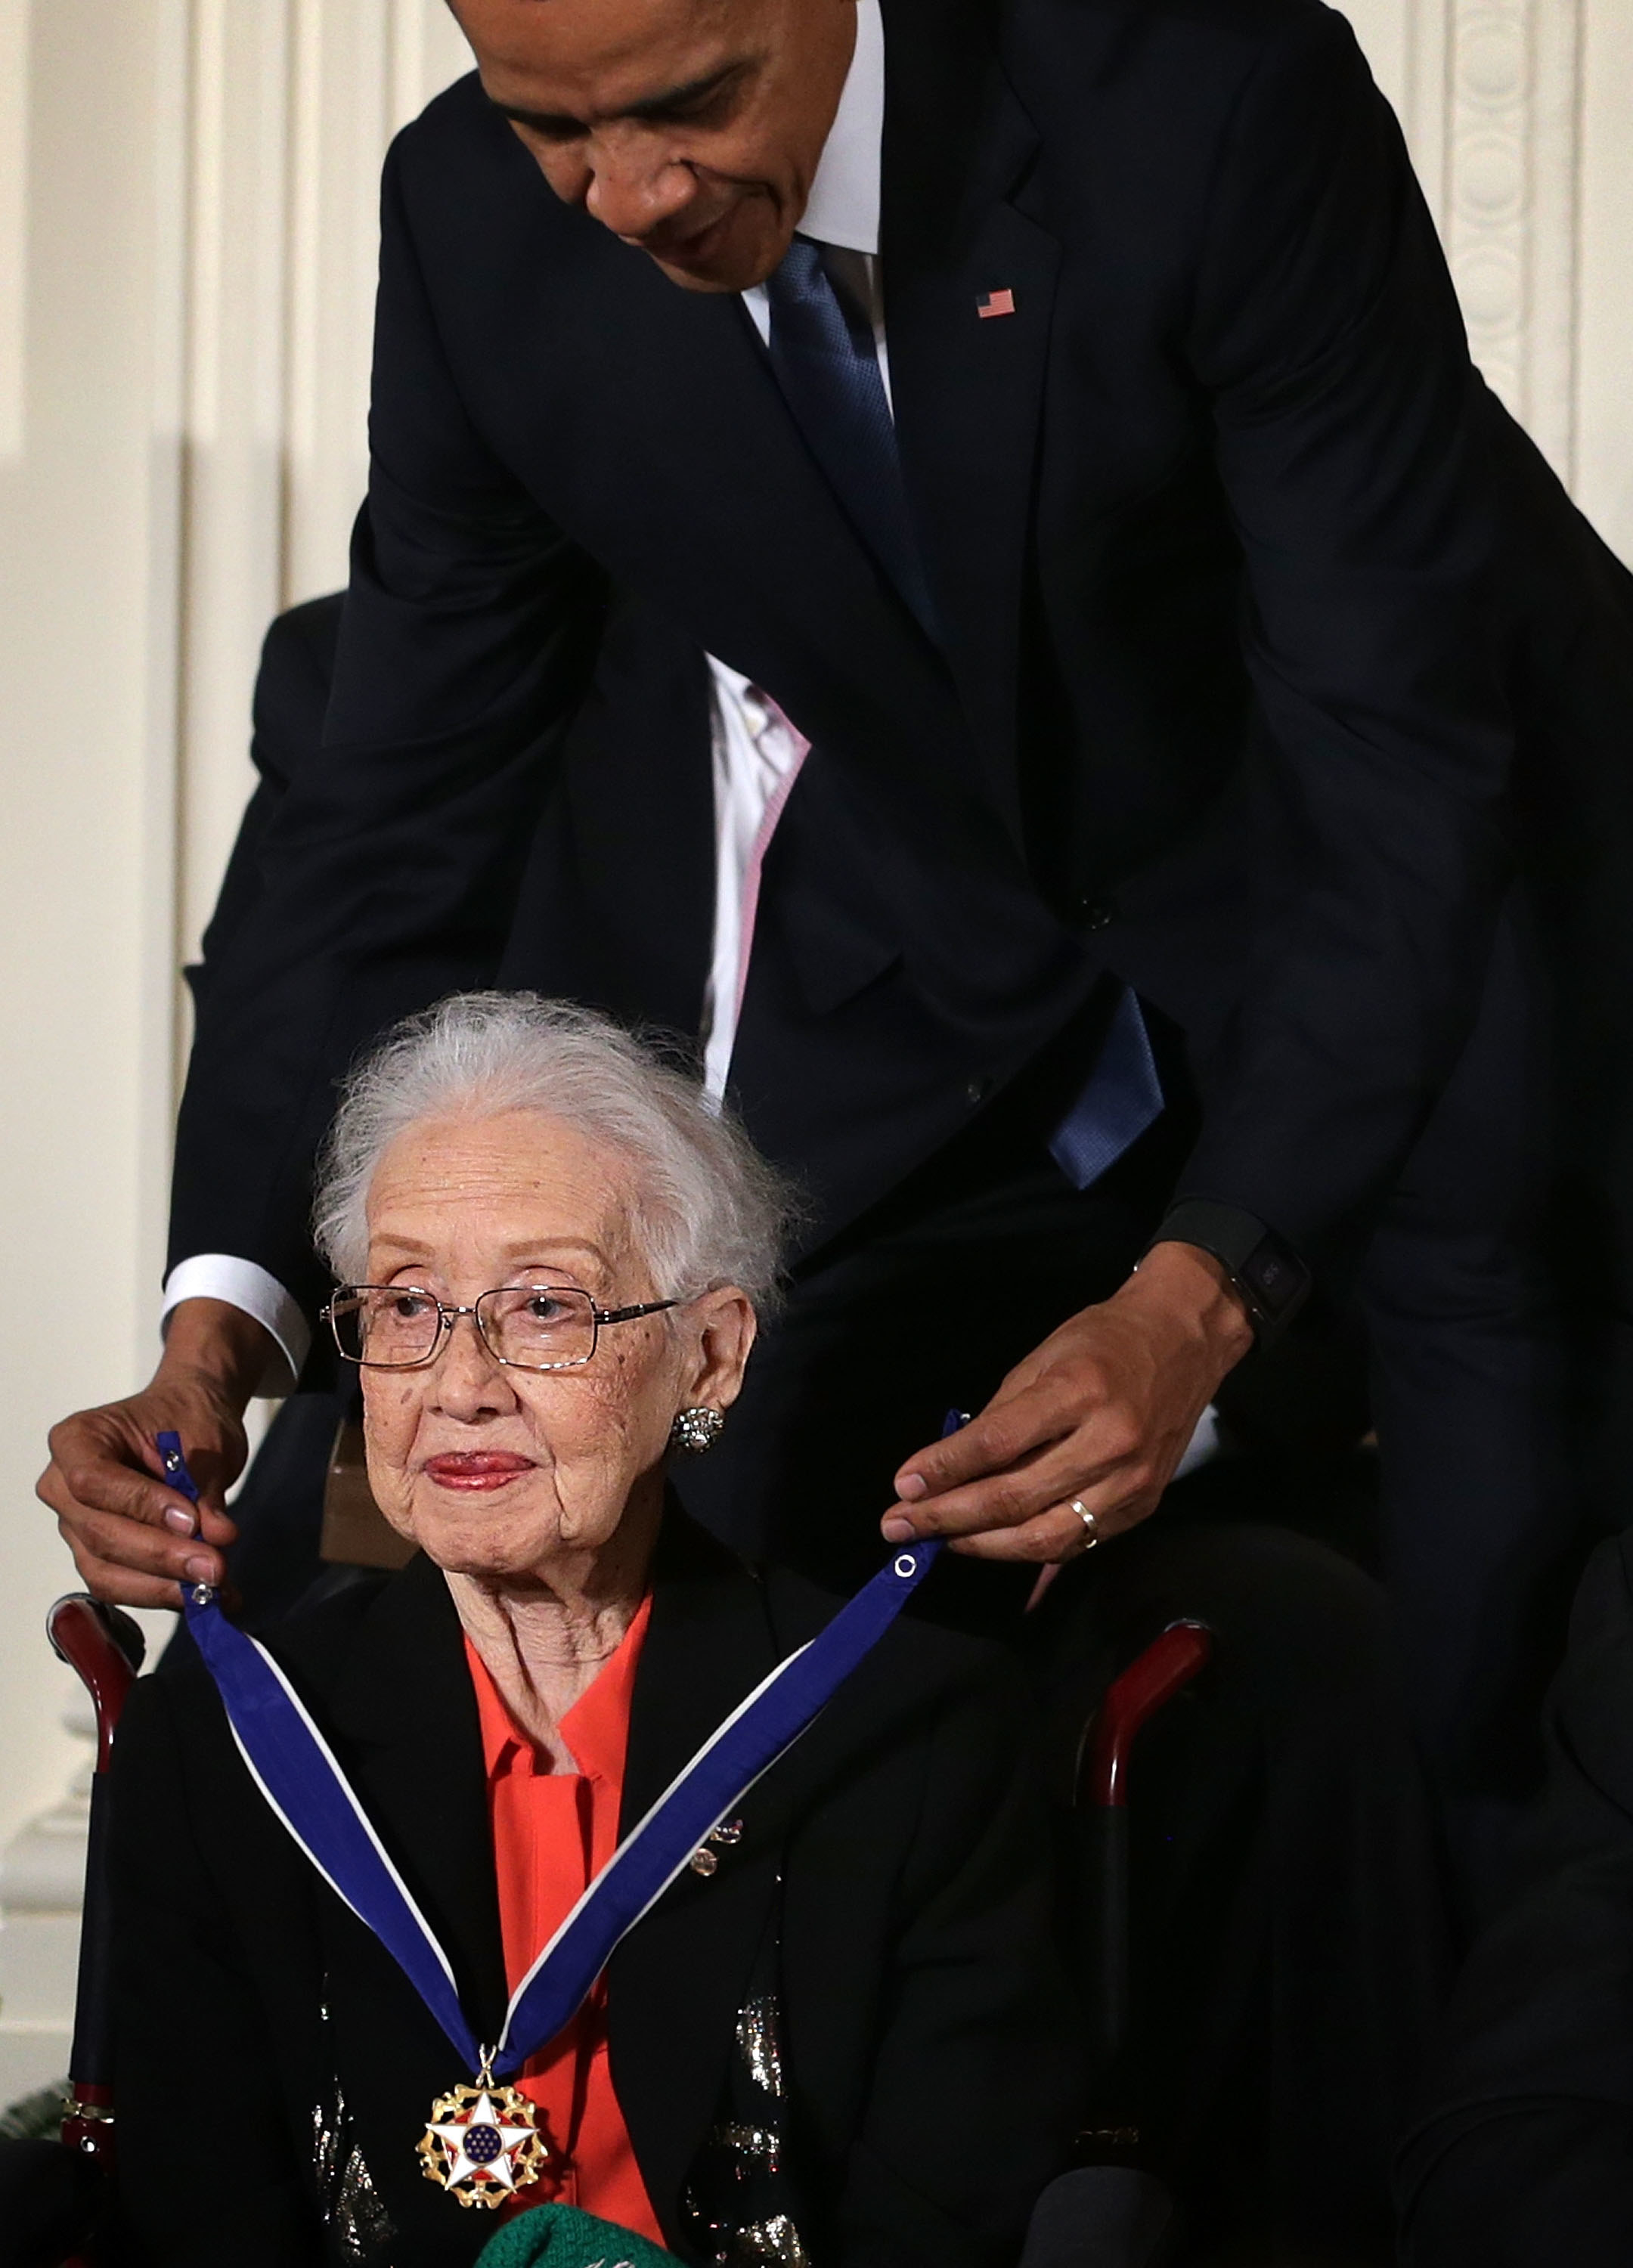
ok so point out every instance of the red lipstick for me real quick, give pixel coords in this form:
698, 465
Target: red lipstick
473, 1470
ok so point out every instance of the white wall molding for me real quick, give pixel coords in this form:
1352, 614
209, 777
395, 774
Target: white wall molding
1604, 312
234, 438
1511, 210
1423, 102
13, 224
42, 1871
293, 103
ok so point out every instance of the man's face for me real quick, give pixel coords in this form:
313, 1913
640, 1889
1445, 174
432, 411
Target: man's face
689, 128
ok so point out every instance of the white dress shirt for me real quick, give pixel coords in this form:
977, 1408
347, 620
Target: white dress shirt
756, 752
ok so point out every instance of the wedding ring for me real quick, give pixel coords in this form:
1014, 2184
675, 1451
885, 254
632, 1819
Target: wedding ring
1090, 1525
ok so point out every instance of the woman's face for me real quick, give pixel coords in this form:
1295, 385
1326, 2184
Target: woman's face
497, 1471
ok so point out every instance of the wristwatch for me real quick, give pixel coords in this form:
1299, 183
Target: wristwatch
1265, 1272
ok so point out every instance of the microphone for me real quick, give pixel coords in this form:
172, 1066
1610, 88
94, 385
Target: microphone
1100, 2217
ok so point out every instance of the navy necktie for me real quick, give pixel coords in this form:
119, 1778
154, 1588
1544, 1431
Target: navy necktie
827, 364
1121, 1096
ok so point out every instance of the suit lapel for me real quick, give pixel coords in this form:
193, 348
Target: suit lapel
813, 622
678, 1979
817, 622
405, 1717
614, 366
969, 387
618, 368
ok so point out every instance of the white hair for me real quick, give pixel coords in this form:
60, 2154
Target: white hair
708, 1209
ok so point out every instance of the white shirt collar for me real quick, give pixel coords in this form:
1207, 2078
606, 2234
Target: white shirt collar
844, 205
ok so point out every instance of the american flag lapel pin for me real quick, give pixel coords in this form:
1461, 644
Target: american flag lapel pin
996, 303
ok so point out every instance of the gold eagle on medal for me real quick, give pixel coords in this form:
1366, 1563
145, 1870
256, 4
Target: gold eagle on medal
482, 2144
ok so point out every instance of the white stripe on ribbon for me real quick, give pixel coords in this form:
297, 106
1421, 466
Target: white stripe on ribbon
615, 1863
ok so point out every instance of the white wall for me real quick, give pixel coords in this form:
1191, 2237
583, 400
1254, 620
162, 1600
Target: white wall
86, 851
186, 218
1604, 312
187, 221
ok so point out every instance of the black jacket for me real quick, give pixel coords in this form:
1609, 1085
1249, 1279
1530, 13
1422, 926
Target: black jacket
1525, 2157
1249, 591
929, 2091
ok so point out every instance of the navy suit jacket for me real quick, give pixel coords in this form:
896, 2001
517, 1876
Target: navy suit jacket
1233, 555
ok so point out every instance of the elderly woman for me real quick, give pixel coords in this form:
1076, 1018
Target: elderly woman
833, 2038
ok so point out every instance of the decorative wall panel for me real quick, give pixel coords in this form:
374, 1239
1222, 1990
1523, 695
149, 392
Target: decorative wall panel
1510, 203
13, 221
1604, 309
293, 104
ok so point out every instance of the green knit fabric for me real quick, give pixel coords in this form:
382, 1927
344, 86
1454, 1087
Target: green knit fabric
561, 2236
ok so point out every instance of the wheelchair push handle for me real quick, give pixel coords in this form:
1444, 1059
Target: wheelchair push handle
1167, 1666
1172, 1662
105, 1649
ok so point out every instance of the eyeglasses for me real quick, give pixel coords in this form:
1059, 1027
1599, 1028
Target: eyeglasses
525, 1326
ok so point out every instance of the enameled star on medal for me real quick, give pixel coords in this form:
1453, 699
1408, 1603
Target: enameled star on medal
481, 2144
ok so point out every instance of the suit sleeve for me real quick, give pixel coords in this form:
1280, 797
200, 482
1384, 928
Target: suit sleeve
974, 2084
387, 873
291, 695
1525, 2155
1326, 336
206, 2171
293, 687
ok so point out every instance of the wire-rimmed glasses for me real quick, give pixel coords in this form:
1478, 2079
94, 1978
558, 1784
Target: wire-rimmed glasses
525, 1326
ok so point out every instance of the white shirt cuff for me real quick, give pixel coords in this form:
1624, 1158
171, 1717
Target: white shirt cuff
244, 1285
1203, 1446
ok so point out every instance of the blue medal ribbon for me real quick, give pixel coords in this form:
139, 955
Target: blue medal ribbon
298, 1773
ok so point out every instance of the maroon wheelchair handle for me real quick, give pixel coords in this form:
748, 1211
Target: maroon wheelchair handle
105, 1649
1150, 1682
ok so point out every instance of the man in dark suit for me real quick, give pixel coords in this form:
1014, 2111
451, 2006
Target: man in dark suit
1065, 610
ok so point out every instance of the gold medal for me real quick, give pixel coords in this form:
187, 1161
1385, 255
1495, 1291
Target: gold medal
483, 2143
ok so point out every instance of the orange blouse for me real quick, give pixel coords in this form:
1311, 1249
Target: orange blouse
552, 1832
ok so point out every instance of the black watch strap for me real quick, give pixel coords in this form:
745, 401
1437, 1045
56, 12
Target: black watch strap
1264, 1268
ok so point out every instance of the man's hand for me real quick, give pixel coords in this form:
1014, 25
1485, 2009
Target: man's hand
135, 1539
1103, 1412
